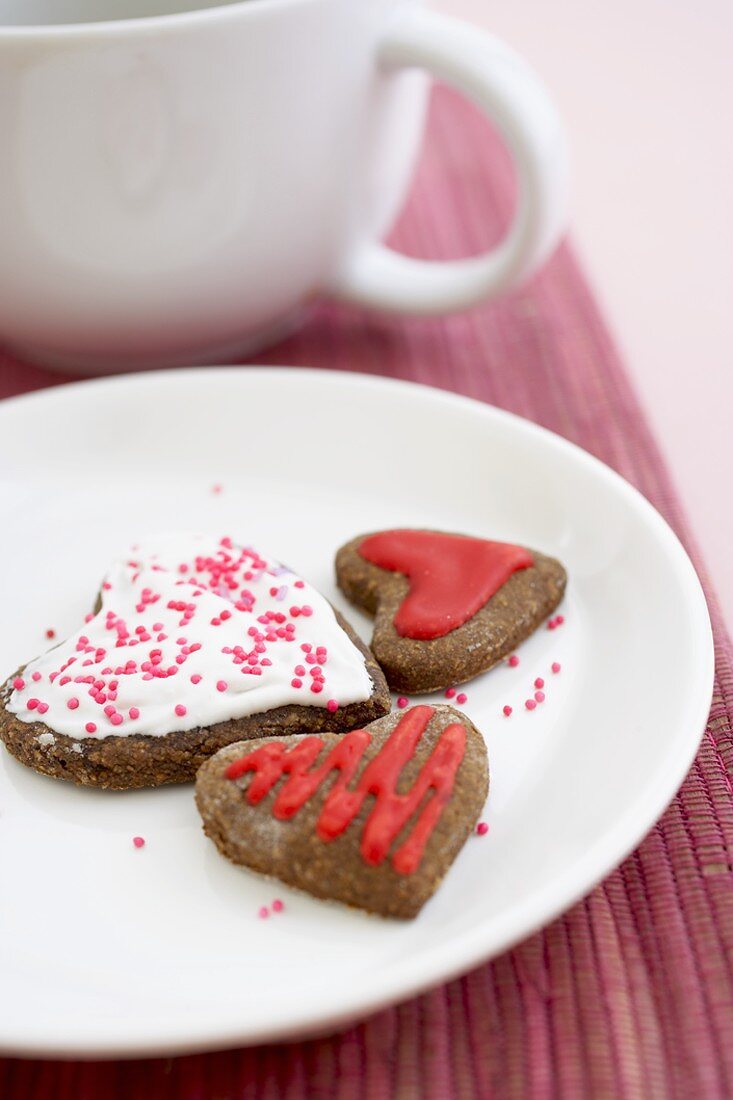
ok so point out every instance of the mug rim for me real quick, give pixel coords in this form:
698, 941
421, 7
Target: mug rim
145, 23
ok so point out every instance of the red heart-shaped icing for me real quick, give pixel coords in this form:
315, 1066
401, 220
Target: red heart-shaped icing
451, 576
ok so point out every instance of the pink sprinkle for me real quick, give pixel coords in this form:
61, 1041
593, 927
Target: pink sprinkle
539, 682
180, 710
72, 703
116, 719
216, 489
134, 713
277, 906
507, 710
36, 676
461, 698
530, 704
138, 841
559, 620
90, 727
196, 679
556, 666
316, 687
263, 913
89, 616
402, 702
42, 708
18, 683
539, 696
50, 633
449, 693
332, 705
221, 685
32, 704
482, 828
296, 683
513, 661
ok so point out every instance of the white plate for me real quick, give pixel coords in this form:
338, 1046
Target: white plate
110, 950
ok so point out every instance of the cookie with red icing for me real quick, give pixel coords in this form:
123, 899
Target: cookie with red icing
195, 642
446, 606
373, 818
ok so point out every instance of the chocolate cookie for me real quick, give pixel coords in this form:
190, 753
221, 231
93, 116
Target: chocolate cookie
446, 606
195, 643
380, 835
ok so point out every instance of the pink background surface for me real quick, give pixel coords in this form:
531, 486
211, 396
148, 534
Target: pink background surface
645, 87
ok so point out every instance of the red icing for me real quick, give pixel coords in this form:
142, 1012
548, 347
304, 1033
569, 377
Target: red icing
391, 810
451, 577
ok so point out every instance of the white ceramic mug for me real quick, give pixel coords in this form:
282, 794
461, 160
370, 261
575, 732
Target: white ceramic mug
178, 177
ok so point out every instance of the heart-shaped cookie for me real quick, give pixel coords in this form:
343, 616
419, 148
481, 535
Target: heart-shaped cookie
373, 818
446, 606
196, 642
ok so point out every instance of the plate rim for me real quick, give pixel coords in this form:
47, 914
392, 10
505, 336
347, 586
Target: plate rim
455, 958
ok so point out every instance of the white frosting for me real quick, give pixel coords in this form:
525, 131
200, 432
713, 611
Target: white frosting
203, 611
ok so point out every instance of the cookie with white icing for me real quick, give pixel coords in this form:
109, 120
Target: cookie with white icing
373, 819
195, 643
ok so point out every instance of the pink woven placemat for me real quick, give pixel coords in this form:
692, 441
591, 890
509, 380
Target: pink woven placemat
631, 992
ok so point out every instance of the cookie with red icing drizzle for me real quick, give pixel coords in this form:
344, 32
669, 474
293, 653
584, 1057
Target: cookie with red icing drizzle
447, 606
373, 818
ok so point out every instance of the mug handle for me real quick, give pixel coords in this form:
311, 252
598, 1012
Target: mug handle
512, 96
